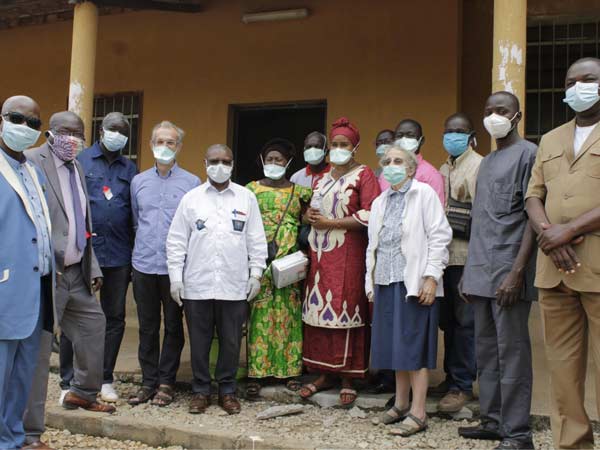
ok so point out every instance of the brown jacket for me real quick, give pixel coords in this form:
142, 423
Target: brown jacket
569, 187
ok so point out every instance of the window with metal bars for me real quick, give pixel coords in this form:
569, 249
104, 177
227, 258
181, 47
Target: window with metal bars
551, 48
128, 103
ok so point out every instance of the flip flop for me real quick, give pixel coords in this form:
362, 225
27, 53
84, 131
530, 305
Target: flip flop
143, 394
387, 419
406, 429
348, 391
164, 396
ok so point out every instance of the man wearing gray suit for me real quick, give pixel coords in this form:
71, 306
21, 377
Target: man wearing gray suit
78, 312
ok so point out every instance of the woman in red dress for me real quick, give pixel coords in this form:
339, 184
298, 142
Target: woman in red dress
335, 309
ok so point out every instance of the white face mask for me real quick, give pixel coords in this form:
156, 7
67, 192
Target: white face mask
314, 155
219, 173
163, 154
498, 126
408, 144
274, 171
113, 140
18, 137
340, 156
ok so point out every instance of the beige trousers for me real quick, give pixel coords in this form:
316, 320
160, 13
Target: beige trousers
569, 319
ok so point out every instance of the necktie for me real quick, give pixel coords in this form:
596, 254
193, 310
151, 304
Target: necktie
79, 219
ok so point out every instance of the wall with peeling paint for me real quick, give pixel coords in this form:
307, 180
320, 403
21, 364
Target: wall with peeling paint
376, 65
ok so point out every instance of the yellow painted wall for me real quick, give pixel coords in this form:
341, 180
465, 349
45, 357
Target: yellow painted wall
376, 62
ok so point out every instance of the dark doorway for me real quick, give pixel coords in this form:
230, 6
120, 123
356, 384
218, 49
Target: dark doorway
251, 126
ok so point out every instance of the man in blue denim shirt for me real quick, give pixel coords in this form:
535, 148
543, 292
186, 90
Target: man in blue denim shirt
108, 176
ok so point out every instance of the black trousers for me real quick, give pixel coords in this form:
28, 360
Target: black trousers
113, 296
228, 317
151, 293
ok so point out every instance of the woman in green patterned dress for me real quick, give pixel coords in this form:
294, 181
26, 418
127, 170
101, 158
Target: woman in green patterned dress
275, 328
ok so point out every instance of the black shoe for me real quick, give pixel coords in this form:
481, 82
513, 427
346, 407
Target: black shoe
507, 444
440, 390
480, 432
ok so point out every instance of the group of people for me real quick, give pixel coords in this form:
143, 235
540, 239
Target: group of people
393, 254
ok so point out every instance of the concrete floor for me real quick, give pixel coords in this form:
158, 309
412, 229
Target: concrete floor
127, 362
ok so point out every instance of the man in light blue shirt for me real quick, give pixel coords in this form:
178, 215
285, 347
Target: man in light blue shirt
155, 195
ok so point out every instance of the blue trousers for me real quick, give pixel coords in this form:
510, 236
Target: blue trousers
18, 359
457, 321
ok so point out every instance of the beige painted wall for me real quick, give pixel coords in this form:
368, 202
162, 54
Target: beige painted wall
376, 65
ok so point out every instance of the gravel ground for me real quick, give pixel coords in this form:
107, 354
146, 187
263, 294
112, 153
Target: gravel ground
58, 439
325, 428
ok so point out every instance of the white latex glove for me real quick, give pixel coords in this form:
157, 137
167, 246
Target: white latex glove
252, 288
177, 292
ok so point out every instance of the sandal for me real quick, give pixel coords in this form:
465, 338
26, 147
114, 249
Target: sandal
310, 389
293, 385
164, 396
387, 419
406, 428
143, 394
349, 393
253, 389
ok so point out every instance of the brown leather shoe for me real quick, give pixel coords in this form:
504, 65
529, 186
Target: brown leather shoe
74, 401
230, 404
454, 401
38, 445
199, 403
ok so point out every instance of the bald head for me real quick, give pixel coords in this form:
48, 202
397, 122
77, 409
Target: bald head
67, 122
21, 103
506, 99
116, 121
217, 151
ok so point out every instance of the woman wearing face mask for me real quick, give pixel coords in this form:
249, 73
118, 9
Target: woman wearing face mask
335, 308
406, 258
275, 326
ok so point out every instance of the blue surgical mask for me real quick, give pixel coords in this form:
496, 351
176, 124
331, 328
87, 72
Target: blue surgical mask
163, 154
582, 96
380, 150
394, 174
18, 137
113, 140
409, 144
456, 143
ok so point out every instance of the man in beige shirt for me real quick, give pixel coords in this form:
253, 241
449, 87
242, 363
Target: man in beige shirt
456, 316
564, 210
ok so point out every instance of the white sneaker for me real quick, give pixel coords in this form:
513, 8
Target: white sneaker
108, 393
63, 392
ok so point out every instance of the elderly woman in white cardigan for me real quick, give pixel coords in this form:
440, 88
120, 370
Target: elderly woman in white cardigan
406, 257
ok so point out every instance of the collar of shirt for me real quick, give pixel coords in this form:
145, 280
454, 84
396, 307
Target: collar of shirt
208, 187
11, 161
454, 162
405, 187
172, 170
57, 161
309, 171
98, 153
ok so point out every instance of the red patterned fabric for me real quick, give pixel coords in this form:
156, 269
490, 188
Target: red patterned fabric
344, 127
335, 307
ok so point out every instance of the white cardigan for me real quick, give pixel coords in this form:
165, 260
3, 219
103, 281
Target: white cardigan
426, 235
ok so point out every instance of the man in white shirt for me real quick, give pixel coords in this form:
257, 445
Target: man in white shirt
315, 151
216, 253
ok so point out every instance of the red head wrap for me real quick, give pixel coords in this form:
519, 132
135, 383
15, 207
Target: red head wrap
345, 128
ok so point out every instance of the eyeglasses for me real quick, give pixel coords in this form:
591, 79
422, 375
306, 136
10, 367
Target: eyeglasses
18, 119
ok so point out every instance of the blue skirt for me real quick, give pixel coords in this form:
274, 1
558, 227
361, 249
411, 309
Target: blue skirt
404, 333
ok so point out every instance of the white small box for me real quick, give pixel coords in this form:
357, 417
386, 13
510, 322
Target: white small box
290, 269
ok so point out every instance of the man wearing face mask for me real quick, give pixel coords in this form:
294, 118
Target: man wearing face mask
496, 280
108, 176
563, 207
383, 141
315, 150
79, 314
216, 253
25, 270
155, 195
409, 137
456, 316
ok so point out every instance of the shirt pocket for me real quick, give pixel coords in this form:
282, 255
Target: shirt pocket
551, 164
95, 184
504, 197
593, 163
